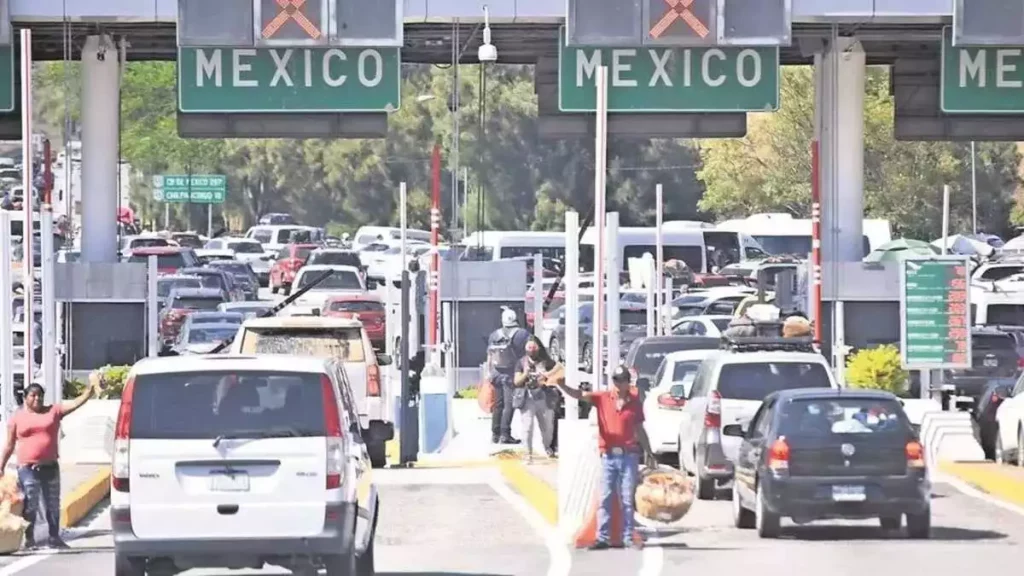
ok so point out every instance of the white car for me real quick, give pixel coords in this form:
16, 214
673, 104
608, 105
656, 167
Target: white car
388, 264
339, 338
240, 461
1010, 426
343, 280
728, 389
249, 251
709, 326
208, 254
670, 387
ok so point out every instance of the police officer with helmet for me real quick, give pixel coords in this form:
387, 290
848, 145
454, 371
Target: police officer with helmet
505, 346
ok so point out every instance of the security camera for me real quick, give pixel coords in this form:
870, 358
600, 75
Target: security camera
487, 53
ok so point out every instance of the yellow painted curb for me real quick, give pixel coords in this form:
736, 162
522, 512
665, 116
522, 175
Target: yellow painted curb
988, 478
84, 498
534, 490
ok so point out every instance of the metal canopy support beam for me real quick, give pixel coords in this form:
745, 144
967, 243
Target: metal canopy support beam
839, 102
283, 125
101, 102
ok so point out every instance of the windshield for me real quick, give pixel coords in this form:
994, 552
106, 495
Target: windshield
478, 254
236, 269
212, 281
755, 380
839, 416
215, 319
246, 247
165, 285
650, 354
338, 280
187, 303
211, 334
1005, 314
162, 260
334, 258
685, 371
797, 245
992, 342
356, 306
632, 317
147, 243
343, 343
211, 405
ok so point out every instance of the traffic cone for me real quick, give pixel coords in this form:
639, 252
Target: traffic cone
587, 534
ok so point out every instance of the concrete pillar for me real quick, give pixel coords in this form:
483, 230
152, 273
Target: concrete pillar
839, 107
101, 101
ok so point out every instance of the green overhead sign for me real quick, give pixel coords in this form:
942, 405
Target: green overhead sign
8, 73
981, 80
218, 80
728, 79
208, 189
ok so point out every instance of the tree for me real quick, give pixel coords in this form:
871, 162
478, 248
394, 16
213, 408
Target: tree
769, 169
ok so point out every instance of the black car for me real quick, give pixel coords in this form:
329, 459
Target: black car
983, 417
993, 355
242, 274
645, 354
818, 454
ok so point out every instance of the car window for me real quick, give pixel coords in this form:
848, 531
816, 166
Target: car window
345, 344
356, 306
285, 235
245, 247
162, 260
722, 323
755, 428
660, 373
148, 243
1000, 272
1009, 314
1018, 388
723, 307
164, 287
302, 252
210, 334
210, 405
196, 303
334, 259
284, 253
261, 236
755, 380
696, 329
685, 371
348, 398
836, 416
632, 317
338, 280
764, 423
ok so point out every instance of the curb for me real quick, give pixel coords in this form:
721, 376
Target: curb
989, 479
84, 498
537, 493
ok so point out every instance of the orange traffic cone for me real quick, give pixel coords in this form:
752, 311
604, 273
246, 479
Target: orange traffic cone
587, 534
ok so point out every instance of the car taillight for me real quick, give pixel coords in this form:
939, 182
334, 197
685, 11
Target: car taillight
1020, 362
915, 454
373, 380
996, 399
670, 402
332, 427
119, 467
713, 413
778, 455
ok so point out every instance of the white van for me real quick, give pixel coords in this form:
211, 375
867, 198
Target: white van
367, 235
997, 303
780, 233
273, 238
500, 245
696, 246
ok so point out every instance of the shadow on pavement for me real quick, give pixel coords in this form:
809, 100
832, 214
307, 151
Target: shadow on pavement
939, 533
684, 546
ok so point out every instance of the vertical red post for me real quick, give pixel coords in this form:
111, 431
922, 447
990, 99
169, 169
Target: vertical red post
816, 240
435, 233
47, 174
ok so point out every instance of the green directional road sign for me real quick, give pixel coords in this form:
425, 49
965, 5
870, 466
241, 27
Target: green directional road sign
289, 79
670, 79
935, 313
987, 80
208, 189
7, 84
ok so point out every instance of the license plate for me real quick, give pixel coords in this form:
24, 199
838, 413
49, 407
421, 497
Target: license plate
848, 493
991, 362
221, 482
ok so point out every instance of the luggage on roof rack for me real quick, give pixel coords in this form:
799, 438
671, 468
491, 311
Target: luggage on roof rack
767, 343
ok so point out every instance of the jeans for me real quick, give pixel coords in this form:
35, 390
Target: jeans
41, 483
619, 474
537, 407
501, 415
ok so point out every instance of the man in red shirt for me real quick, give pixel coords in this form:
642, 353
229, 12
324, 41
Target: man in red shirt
621, 441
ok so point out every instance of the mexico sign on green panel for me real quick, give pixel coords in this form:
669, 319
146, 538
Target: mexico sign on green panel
670, 79
289, 79
935, 315
981, 80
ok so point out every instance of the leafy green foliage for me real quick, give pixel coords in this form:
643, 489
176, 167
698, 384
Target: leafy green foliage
114, 379
879, 368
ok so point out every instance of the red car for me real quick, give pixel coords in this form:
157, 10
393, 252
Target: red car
169, 259
557, 301
366, 308
287, 264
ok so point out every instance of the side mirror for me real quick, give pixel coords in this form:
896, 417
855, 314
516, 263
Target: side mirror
734, 430
643, 383
383, 359
371, 284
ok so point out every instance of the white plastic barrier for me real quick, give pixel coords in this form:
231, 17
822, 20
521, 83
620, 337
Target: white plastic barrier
949, 437
435, 418
87, 435
579, 474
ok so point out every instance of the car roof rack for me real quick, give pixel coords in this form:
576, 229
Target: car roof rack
767, 344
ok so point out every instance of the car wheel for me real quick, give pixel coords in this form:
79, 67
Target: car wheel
588, 359
891, 523
286, 289
124, 566
705, 488
378, 454
767, 523
342, 565
741, 517
919, 526
273, 288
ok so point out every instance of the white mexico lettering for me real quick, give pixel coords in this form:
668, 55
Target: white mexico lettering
209, 67
377, 65
281, 67
238, 67
1004, 68
973, 68
620, 67
668, 68
289, 67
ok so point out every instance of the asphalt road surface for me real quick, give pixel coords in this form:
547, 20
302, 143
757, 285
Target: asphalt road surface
468, 523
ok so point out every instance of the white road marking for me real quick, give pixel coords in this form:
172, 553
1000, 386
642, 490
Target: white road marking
561, 559
971, 491
652, 560
70, 534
